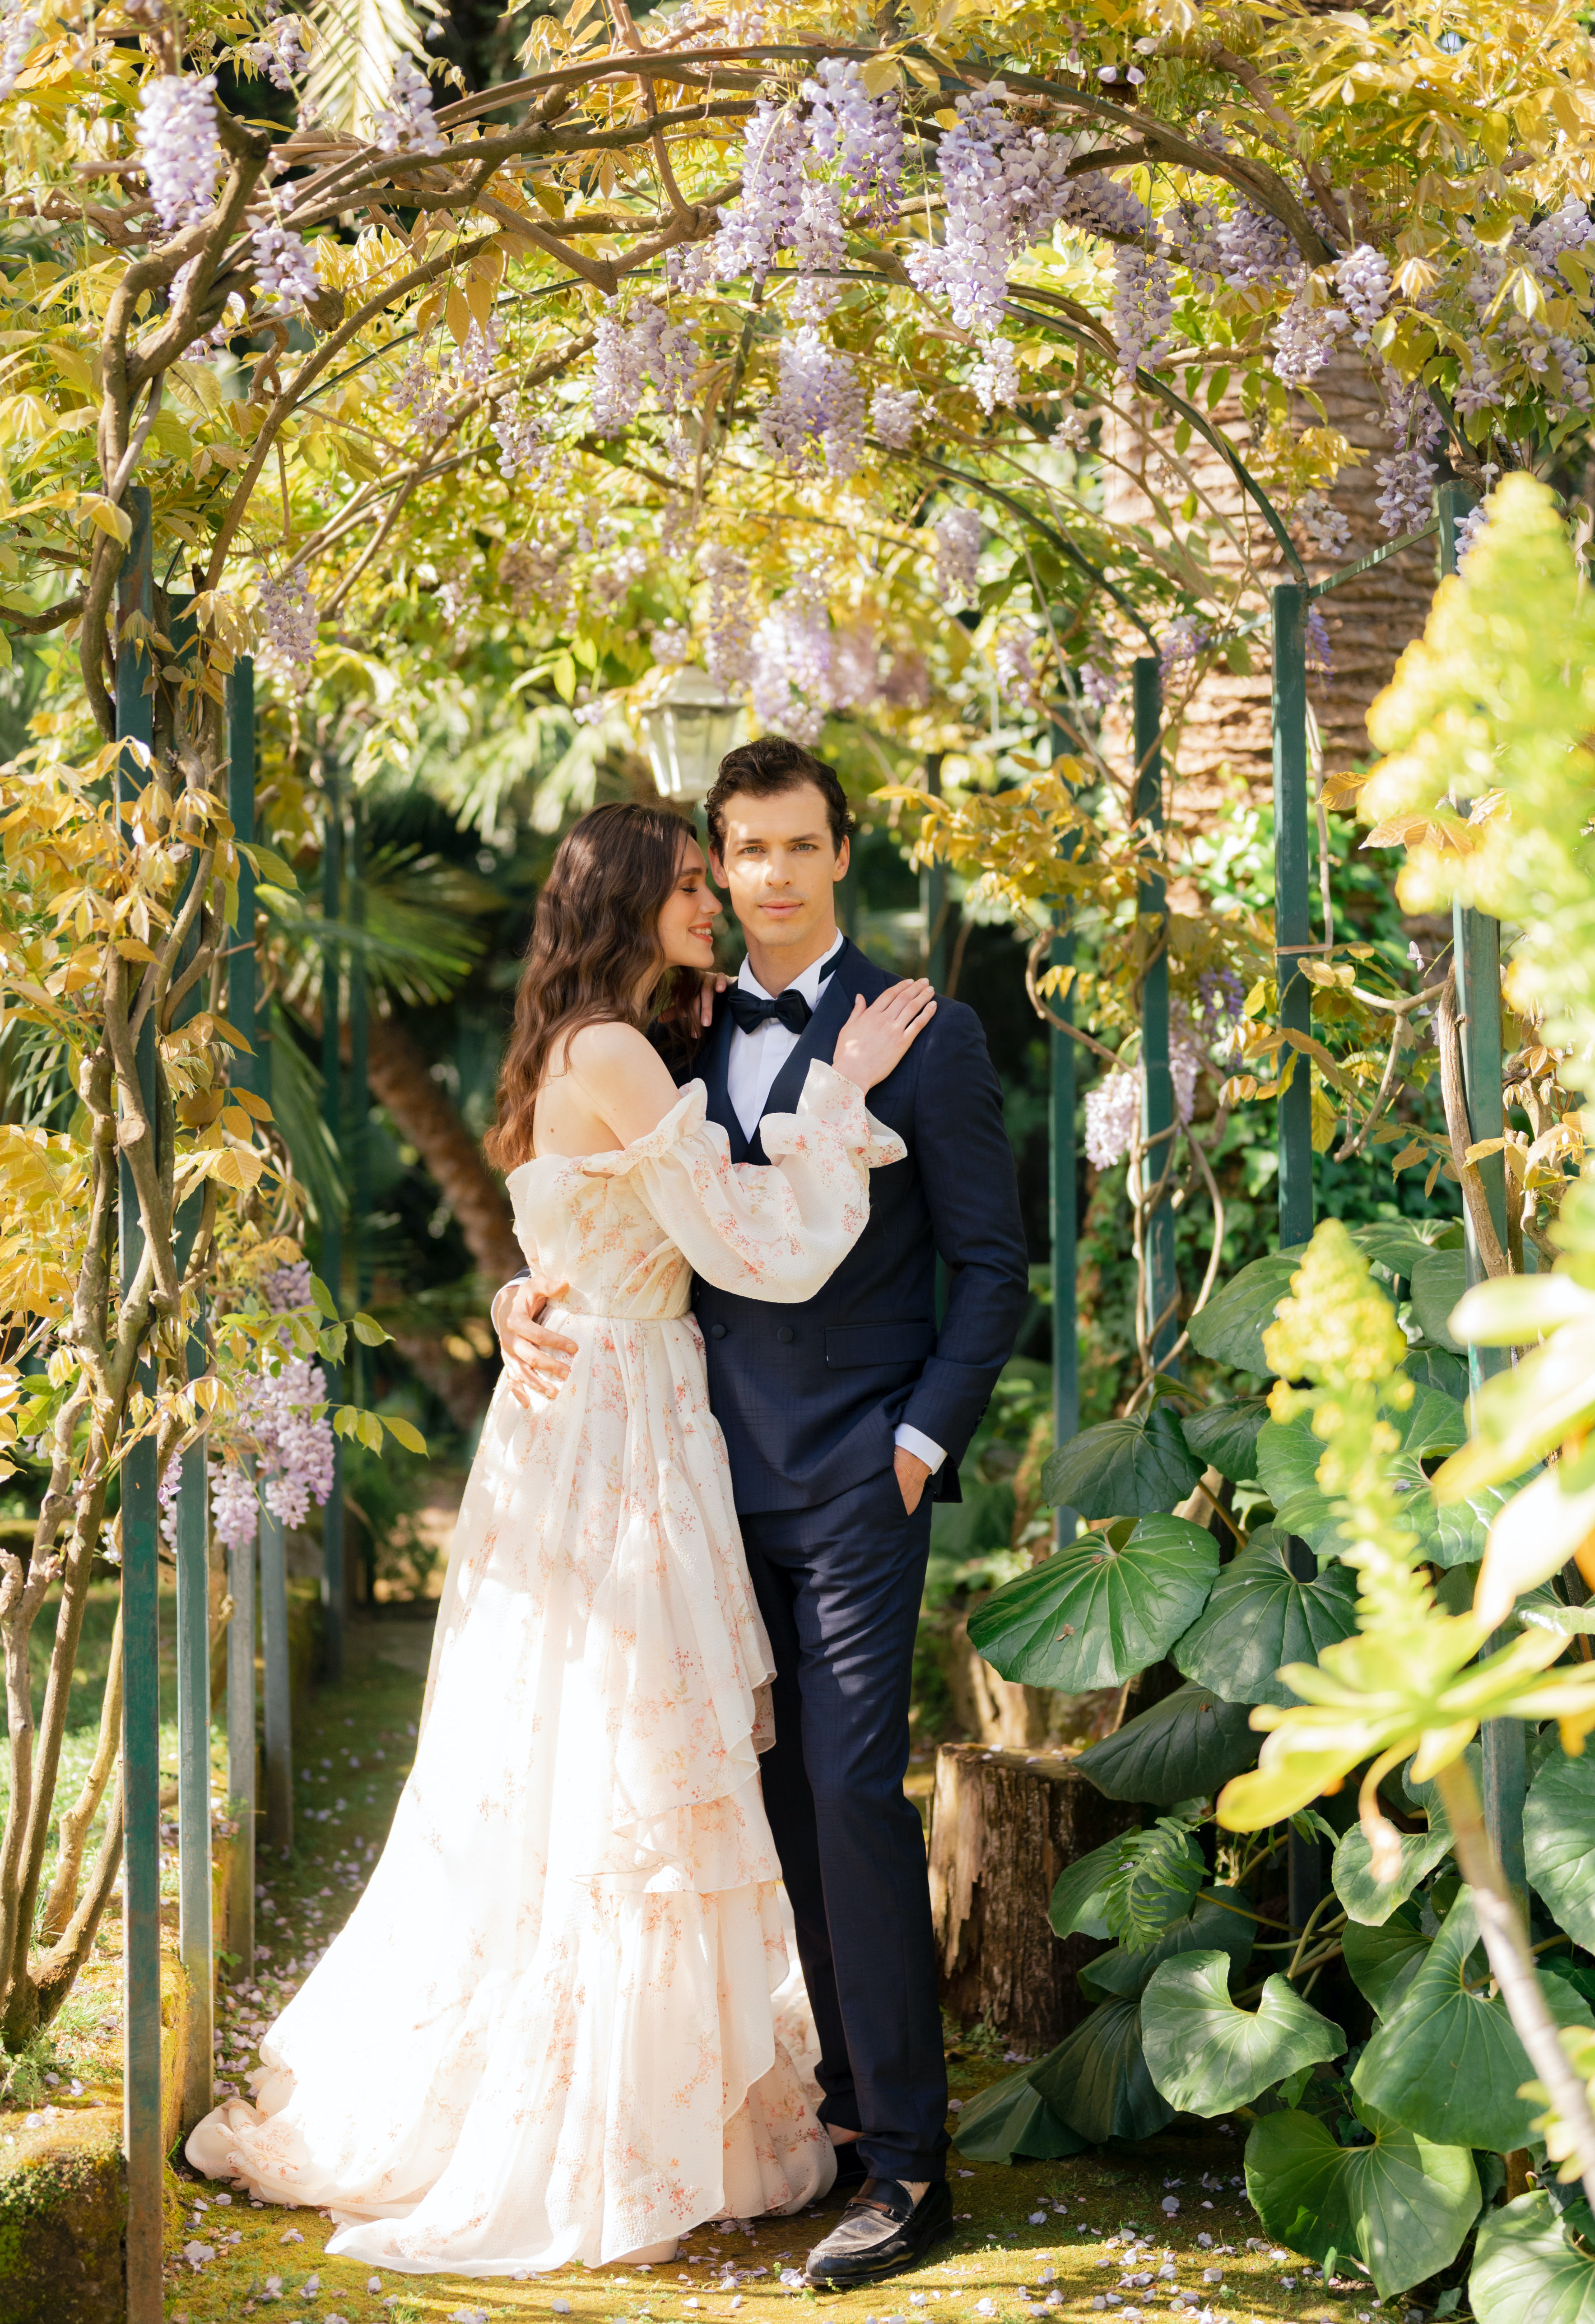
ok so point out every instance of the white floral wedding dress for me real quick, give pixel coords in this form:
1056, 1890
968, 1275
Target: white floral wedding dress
548, 2032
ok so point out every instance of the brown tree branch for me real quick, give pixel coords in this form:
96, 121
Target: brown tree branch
293, 392
53, 1977
74, 1822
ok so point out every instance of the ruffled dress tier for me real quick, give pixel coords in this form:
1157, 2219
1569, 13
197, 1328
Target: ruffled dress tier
548, 2032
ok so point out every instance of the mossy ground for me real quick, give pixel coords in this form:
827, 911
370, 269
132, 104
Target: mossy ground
1015, 2225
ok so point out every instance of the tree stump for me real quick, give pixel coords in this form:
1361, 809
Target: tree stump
1003, 1826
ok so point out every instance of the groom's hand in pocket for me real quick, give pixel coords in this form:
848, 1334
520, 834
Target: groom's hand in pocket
913, 1475
536, 1359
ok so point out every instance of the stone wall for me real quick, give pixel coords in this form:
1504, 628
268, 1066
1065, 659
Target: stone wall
1227, 724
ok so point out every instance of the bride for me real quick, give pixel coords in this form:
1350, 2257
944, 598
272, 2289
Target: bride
547, 2033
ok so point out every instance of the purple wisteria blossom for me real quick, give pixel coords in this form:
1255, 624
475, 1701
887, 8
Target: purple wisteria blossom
728, 633
406, 123
957, 536
818, 408
19, 29
284, 271
280, 52
292, 619
178, 146
894, 412
1143, 309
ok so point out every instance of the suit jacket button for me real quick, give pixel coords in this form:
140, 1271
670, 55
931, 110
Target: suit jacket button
785, 1335
716, 1331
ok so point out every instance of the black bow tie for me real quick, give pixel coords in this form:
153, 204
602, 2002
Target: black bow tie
751, 1012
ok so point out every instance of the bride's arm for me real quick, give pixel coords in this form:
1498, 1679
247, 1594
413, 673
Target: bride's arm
624, 1079
775, 1231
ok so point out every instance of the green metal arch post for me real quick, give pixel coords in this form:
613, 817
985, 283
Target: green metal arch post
934, 893
1292, 935
1292, 909
332, 1231
1157, 1115
1064, 1218
249, 1071
1476, 943
141, 1620
195, 1937
360, 1358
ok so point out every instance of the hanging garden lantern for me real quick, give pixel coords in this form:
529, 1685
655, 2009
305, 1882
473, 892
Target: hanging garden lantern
691, 727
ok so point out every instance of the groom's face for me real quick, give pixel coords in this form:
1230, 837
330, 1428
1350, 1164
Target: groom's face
781, 866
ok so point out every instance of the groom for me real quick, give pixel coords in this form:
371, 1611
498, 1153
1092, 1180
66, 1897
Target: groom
845, 1418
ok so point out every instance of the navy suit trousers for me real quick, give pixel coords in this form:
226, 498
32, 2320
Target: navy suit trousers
839, 1585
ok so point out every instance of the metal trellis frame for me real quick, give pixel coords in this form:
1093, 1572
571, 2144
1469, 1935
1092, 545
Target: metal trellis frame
1063, 1217
1476, 949
249, 1071
332, 1233
192, 1545
1291, 936
141, 1618
360, 1138
934, 892
1161, 1319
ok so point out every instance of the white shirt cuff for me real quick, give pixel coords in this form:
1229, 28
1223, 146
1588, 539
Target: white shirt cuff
911, 1440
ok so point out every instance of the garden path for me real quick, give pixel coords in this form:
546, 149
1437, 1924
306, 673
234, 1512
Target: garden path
1039, 2241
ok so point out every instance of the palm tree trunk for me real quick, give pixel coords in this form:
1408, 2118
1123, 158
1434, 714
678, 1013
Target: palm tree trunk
423, 1114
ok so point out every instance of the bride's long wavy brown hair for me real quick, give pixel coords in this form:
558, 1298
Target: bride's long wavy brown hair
594, 941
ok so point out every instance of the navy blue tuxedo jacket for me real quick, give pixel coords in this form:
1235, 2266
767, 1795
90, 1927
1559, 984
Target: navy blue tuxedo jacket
808, 1396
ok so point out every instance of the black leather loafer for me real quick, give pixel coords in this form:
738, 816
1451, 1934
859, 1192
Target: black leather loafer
881, 2233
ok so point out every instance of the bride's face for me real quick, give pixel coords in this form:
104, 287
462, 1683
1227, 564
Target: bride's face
687, 925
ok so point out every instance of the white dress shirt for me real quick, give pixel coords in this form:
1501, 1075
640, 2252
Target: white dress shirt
755, 1060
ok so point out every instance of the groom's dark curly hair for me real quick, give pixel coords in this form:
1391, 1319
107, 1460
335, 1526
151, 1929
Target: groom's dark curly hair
760, 769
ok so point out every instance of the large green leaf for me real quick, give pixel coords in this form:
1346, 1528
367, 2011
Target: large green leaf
1219, 1922
1230, 1329
1093, 1615
1402, 2205
1439, 1280
1260, 1617
1184, 1748
1013, 2120
1123, 1468
1208, 2057
1433, 1368
1373, 1901
1383, 1961
1447, 2060
1559, 1842
1399, 1245
1075, 1909
1097, 2079
1525, 2270
1288, 1454
1225, 1436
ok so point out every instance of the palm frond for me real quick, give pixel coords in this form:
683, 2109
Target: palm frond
420, 937
356, 44
296, 1107
477, 777
35, 1075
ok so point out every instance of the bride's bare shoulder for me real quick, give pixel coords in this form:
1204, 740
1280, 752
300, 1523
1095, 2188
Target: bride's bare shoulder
617, 1063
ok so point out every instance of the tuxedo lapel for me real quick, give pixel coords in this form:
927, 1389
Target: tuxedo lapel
715, 1064
820, 1035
